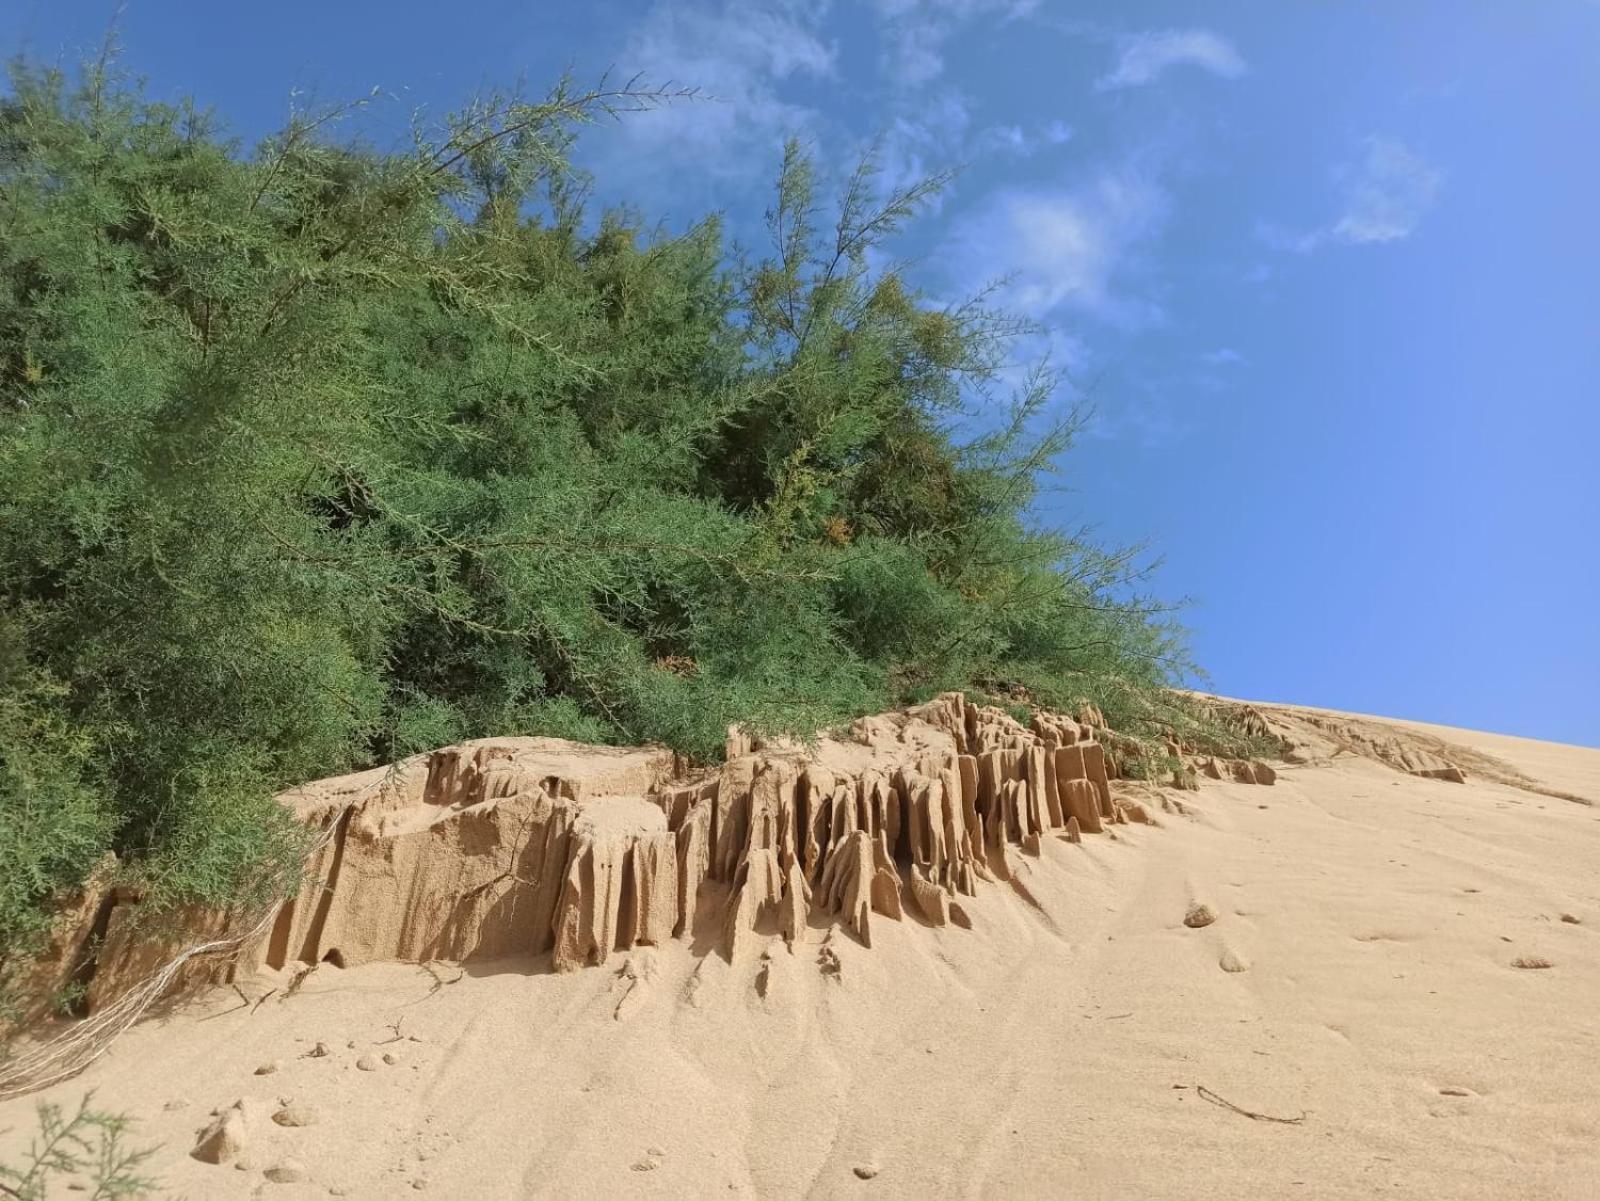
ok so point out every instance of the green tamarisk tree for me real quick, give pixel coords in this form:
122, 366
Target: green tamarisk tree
312, 455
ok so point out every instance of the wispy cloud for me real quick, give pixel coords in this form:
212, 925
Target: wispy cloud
931, 138
1024, 142
915, 32
1387, 195
744, 58
758, 63
1066, 248
1223, 356
1147, 56
1384, 197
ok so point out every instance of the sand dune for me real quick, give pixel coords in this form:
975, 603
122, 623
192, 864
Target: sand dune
1358, 982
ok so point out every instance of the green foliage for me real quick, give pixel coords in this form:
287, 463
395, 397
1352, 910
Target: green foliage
53, 821
316, 456
87, 1151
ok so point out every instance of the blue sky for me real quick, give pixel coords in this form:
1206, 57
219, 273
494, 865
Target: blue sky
1330, 273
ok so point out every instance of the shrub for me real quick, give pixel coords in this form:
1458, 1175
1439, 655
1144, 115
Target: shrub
87, 1149
317, 455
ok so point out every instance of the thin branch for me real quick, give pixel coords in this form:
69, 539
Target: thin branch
1212, 1097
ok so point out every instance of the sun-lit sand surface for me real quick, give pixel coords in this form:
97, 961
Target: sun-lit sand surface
1359, 981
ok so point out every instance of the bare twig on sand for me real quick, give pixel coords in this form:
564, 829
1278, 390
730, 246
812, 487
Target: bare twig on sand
1249, 1113
439, 981
300, 977
244, 1003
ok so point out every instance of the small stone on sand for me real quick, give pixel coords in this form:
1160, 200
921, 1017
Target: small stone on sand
295, 1115
224, 1140
1198, 916
367, 1063
866, 1171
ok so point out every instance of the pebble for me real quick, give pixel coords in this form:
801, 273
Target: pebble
367, 1063
866, 1171
224, 1140
267, 1068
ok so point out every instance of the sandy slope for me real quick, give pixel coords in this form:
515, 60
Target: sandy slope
1054, 1050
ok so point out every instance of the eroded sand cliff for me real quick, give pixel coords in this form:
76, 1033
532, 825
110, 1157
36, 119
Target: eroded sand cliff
1365, 968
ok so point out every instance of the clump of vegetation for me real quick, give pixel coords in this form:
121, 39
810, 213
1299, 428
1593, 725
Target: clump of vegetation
88, 1151
316, 454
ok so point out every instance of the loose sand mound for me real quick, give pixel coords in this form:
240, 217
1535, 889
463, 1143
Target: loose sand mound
1319, 989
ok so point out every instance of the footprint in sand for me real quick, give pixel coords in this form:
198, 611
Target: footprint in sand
1230, 961
290, 1171
651, 1161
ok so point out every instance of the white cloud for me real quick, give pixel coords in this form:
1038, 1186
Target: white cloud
1024, 143
1384, 198
758, 64
915, 32
1065, 248
1147, 55
1387, 196
932, 140
741, 56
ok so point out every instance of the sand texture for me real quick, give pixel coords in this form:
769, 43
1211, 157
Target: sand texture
1075, 986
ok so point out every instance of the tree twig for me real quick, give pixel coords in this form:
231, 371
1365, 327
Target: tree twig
1249, 1113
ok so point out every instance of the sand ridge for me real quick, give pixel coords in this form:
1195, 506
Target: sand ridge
1356, 980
